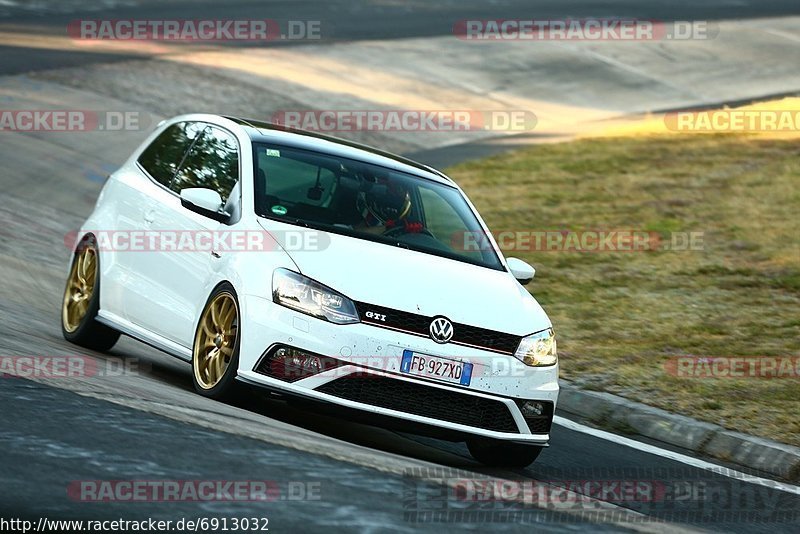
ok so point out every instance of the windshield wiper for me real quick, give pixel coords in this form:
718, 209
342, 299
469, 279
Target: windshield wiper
298, 222
291, 220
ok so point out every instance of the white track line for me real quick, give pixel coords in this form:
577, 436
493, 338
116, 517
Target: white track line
676, 456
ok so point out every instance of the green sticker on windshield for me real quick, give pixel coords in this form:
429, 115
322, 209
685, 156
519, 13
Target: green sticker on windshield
278, 210
273, 152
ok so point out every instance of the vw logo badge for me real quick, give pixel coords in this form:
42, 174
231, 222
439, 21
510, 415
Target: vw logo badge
441, 330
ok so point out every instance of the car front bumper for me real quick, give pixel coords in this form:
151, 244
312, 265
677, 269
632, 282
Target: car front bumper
368, 376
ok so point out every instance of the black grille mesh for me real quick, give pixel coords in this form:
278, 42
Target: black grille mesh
425, 401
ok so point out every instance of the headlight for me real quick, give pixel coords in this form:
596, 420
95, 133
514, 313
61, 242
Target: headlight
295, 291
538, 350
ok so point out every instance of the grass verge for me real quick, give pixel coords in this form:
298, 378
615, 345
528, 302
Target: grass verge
622, 316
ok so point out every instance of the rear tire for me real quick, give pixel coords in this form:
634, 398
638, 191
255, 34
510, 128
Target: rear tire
500, 454
215, 351
81, 302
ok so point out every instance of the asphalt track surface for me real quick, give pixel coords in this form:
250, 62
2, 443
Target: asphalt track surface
345, 20
147, 424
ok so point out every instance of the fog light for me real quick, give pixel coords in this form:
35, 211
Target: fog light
295, 362
290, 364
532, 409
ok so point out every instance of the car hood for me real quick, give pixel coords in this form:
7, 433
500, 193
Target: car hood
415, 282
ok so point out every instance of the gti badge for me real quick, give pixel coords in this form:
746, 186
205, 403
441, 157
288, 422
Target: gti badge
441, 330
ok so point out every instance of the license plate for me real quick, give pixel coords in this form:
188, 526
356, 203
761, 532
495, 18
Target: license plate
428, 366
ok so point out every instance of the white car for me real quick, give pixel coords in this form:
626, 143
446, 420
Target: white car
318, 269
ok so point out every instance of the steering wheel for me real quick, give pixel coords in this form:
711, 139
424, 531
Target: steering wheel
401, 229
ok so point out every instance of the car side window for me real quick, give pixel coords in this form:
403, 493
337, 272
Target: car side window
212, 162
165, 154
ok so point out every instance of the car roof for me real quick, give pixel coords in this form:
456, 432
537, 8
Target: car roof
267, 132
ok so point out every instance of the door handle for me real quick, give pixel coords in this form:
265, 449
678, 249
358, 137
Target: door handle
216, 254
150, 216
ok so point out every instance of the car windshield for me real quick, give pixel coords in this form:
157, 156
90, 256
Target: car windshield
368, 202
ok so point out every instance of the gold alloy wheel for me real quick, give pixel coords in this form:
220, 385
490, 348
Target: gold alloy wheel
80, 288
215, 340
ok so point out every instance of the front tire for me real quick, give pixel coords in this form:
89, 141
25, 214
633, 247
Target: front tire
215, 352
81, 302
500, 454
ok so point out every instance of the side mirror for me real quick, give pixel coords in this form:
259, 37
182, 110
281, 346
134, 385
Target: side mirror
522, 271
206, 202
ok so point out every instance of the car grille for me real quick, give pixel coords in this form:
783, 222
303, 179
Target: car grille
540, 425
463, 334
425, 401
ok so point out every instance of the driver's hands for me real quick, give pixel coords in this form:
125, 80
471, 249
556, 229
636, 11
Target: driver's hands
408, 227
